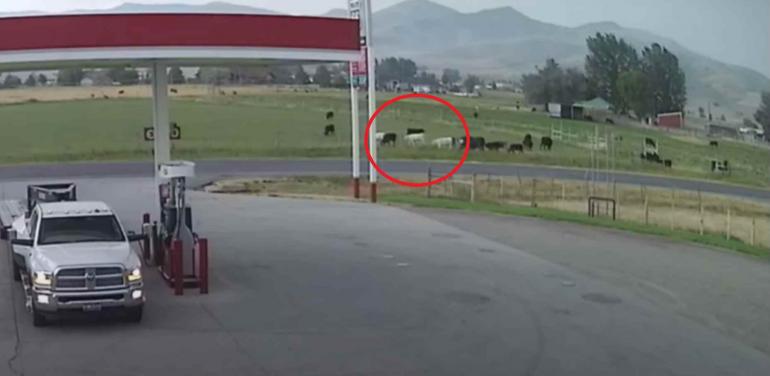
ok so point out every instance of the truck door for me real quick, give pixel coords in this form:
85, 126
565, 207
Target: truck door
21, 254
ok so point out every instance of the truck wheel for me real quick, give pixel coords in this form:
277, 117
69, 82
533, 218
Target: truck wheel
38, 319
16, 273
134, 314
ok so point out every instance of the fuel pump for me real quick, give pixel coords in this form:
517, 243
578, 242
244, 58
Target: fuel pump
176, 216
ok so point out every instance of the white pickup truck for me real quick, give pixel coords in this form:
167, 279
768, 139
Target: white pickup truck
76, 256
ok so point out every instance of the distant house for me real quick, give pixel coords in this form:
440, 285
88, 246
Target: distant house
422, 89
565, 111
596, 108
87, 82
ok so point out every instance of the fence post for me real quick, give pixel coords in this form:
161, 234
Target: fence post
700, 208
473, 188
646, 208
753, 230
502, 189
673, 208
729, 219
430, 178
534, 196
563, 193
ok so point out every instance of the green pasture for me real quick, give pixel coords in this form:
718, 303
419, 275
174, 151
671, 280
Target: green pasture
289, 124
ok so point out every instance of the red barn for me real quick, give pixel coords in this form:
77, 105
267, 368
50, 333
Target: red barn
671, 120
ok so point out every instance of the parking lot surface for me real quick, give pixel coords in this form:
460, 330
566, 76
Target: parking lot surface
331, 288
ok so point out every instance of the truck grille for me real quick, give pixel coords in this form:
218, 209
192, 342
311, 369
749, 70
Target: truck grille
88, 279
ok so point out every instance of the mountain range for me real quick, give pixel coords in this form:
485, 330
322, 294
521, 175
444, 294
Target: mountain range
503, 43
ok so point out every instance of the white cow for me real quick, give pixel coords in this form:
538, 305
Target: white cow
415, 139
444, 142
379, 137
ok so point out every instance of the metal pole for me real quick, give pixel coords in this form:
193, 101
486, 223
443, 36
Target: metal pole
160, 120
371, 81
356, 139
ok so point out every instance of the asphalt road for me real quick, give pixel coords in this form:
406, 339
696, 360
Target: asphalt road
327, 288
213, 169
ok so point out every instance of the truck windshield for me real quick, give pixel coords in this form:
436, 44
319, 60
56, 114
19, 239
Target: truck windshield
80, 229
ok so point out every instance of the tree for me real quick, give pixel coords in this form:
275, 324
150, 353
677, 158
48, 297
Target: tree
42, 79
425, 78
70, 76
396, 69
30, 81
634, 89
665, 78
471, 82
11, 81
322, 76
176, 76
301, 77
553, 84
450, 77
608, 57
123, 76
762, 116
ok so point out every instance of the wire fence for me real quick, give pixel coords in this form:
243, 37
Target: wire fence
671, 208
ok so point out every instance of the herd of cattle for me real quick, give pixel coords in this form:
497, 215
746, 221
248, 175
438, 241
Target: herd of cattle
416, 137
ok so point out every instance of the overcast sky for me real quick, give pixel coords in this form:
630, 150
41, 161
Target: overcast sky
734, 31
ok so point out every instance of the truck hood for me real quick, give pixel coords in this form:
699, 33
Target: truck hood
54, 256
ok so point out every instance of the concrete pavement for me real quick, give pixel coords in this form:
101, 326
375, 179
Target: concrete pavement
326, 288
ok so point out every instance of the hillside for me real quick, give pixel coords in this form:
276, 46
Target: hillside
503, 42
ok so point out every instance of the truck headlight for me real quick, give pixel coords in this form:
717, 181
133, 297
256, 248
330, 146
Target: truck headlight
135, 275
42, 279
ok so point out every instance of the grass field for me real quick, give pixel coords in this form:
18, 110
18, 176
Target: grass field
45, 125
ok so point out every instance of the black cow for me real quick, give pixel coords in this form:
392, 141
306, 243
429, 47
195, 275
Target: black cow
389, 138
222, 92
93, 96
619, 138
651, 157
475, 114
528, 142
546, 143
650, 142
496, 146
609, 121
330, 115
516, 148
714, 144
668, 163
105, 96
175, 91
588, 118
534, 109
235, 93
411, 131
121, 92
477, 143
329, 130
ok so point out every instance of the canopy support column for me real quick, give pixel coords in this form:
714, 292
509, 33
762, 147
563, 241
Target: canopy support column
371, 81
160, 120
354, 119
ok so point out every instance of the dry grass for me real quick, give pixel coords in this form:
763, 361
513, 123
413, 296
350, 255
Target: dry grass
746, 217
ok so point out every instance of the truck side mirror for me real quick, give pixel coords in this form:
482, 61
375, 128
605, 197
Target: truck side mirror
134, 237
22, 242
3, 234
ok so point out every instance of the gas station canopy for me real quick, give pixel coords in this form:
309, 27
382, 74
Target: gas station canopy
52, 42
